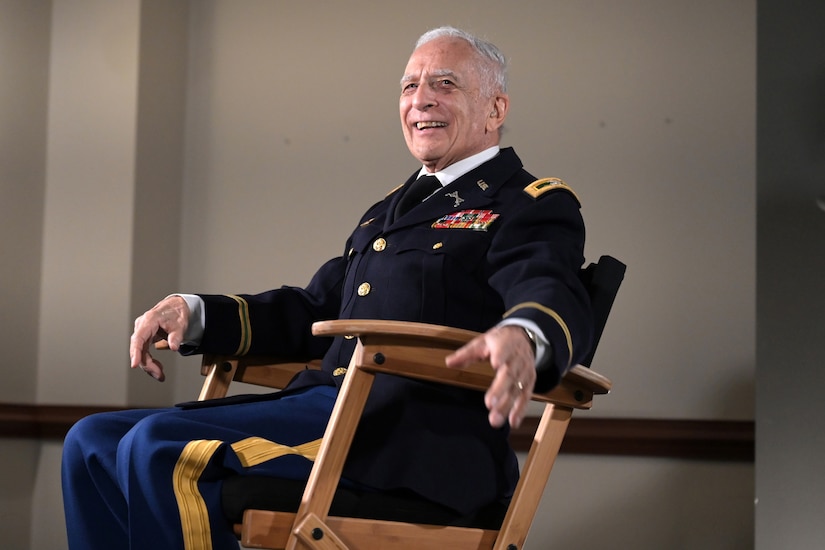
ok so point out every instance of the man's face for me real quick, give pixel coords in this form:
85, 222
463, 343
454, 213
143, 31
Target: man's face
444, 115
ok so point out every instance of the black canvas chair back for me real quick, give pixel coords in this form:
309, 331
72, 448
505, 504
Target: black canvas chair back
602, 281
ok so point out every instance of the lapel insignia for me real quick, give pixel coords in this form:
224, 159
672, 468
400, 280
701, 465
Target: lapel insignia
476, 220
454, 195
482, 185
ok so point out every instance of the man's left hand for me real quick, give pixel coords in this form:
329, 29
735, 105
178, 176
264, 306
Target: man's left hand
508, 350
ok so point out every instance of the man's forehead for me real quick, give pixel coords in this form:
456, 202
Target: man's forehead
441, 53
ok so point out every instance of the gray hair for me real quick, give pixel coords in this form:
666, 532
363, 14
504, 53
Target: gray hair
492, 65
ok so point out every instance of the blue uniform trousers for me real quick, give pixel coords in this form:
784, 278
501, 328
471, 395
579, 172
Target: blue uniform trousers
141, 479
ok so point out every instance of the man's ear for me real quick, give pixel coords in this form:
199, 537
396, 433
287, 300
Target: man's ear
501, 105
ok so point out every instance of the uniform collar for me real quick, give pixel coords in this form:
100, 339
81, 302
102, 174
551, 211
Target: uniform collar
471, 190
458, 169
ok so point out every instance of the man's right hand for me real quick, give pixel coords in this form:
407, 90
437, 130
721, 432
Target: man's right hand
168, 320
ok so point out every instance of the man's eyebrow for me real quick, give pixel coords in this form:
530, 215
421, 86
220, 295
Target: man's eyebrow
438, 73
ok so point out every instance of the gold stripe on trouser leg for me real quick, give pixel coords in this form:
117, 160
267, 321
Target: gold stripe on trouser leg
256, 450
194, 517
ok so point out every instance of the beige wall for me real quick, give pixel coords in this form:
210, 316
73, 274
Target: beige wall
89, 200
252, 171
24, 55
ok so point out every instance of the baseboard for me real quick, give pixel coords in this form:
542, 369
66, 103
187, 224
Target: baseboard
720, 440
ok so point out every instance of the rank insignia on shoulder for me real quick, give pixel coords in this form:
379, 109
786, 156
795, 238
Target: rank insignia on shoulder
544, 185
476, 220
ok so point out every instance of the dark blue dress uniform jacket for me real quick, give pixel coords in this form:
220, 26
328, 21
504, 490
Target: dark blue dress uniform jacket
520, 259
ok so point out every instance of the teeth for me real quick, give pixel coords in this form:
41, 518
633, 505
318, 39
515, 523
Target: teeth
431, 124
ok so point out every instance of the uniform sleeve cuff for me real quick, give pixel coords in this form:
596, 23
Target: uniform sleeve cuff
197, 319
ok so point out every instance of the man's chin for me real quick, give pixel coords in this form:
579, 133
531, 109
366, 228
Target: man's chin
428, 155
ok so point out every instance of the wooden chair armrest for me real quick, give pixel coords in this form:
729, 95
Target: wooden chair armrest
258, 370
402, 348
433, 334
418, 350
220, 370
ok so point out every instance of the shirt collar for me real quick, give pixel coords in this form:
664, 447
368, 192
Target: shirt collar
458, 169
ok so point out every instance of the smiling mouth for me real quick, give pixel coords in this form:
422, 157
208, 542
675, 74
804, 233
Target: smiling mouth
430, 124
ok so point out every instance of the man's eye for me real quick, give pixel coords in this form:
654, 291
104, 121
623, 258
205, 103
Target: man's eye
408, 87
445, 82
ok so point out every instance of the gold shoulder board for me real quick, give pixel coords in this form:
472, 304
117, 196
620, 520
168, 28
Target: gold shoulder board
544, 185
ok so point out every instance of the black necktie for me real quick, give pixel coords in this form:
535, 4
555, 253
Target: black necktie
421, 188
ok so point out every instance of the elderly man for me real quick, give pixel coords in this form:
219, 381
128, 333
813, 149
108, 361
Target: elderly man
482, 245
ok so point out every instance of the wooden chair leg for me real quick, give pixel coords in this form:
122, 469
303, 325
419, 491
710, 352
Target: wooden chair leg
329, 463
536, 471
219, 374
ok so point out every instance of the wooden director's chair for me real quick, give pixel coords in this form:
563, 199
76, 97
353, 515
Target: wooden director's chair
401, 349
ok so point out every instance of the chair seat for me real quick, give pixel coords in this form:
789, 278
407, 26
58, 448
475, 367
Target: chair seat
284, 495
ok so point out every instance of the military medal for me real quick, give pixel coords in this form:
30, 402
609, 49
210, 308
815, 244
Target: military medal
476, 220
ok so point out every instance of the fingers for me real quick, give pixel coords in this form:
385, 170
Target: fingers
141, 358
472, 352
509, 394
510, 354
153, 368
519, 408
139, 344
168, 319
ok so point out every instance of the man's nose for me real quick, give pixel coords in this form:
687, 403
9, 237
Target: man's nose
424, 98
